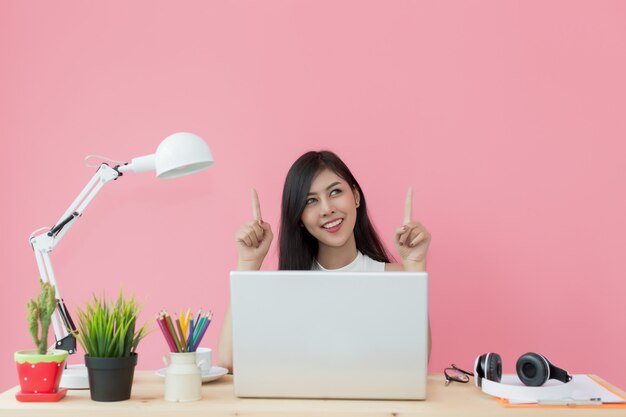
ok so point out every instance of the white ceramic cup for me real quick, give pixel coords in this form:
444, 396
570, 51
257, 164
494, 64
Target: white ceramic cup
204, 355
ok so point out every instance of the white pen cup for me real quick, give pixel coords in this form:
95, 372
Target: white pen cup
204, 358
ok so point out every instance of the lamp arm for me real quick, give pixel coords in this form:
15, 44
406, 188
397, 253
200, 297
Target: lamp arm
45, 242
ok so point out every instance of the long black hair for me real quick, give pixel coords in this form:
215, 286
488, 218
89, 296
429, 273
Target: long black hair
297, 247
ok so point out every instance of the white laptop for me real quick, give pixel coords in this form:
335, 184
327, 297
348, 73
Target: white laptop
308, 334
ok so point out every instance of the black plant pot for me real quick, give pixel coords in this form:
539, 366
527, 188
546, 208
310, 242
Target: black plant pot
110, 379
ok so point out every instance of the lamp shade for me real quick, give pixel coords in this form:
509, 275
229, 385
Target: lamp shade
178, 155
182, 154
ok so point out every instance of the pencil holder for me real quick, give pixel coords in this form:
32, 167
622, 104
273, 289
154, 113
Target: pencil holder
183, 377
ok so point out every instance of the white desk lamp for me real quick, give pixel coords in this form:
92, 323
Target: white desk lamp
178, 155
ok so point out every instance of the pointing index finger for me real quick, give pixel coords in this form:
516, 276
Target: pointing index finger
256, 206
408, 206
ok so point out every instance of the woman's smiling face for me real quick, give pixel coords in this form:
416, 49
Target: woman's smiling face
331, 209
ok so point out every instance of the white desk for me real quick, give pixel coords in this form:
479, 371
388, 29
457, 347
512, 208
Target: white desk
218, 400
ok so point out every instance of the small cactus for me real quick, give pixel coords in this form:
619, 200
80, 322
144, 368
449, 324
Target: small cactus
39, 312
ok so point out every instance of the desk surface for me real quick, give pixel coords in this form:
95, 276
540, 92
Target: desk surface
218, 400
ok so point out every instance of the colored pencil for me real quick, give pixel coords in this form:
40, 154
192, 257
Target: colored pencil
168, 339
183, 324
184, 332
190, 335
201, 335
186, 317
198, 328
168, 320
181, 335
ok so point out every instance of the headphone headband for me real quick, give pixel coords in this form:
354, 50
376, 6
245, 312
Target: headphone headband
524, 393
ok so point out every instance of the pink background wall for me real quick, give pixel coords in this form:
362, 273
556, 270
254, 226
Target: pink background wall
506, 117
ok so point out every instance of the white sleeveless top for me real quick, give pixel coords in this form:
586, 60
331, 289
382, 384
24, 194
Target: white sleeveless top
362, 263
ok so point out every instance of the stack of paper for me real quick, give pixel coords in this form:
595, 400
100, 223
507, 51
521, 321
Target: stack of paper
584, 390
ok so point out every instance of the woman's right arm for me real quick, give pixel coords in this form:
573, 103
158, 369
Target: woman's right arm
253, 242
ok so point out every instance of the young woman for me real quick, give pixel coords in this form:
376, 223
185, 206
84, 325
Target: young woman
324, 226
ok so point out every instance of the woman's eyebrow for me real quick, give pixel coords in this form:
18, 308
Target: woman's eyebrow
327, 188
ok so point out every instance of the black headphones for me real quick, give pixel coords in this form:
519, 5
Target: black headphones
533, 369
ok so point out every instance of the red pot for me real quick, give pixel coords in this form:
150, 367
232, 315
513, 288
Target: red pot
40, 374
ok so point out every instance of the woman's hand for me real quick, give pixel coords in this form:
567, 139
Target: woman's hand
412, 239
253, 239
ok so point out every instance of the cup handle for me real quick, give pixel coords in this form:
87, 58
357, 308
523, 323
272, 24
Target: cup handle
164, 357
202, 362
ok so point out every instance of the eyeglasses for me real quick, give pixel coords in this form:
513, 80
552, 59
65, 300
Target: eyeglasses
456, 374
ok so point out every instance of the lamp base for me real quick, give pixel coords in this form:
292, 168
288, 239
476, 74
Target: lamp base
75, 377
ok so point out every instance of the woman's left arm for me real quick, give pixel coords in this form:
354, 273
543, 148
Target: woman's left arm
412, 240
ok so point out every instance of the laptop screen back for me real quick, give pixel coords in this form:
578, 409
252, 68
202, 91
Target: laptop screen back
307, 334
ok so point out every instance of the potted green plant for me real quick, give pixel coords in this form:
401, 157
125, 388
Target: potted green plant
40, 370
108, 334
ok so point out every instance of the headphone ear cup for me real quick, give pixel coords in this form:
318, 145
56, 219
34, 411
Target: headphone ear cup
533, 369
493, 367
488, 366
479, 370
